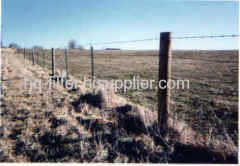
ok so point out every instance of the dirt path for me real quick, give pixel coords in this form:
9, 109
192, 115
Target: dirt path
51, 124
25, 111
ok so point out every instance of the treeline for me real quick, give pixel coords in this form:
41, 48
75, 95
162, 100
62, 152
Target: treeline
72, 44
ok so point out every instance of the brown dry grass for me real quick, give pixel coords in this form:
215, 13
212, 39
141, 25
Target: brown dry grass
212, 95
213, 79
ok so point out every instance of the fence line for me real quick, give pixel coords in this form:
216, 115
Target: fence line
202, 37
164, 69
156, 39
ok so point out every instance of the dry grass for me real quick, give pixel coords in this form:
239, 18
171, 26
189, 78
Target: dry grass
209, 107
212, 74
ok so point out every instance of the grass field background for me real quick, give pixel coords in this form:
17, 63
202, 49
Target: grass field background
211, 101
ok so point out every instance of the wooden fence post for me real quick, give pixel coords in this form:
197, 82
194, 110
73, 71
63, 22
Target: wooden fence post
33, 57
92, 65
164, 76
66, 63
53, 62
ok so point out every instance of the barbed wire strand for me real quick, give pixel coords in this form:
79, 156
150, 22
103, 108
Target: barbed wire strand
201, 37
154, 39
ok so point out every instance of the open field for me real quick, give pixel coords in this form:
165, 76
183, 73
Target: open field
213, 77
63, 125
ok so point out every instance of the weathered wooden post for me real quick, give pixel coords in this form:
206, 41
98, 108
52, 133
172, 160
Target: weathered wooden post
66, 63
164, 77
53, 62
33, 57
92, 65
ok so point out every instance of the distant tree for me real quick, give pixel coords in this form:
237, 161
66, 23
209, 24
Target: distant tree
38, 47
72, 44
13, 45
80, 47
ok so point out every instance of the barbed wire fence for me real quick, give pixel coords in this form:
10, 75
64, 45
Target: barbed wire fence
48, 60
157, 39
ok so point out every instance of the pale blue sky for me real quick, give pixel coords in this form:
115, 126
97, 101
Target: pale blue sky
52, 23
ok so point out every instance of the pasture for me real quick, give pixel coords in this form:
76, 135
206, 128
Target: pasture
211, 99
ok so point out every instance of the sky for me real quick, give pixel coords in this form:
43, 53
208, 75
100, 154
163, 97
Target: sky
52, 23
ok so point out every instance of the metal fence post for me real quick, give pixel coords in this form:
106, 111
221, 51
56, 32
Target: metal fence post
53, 62
29, 56
44, 57
164, 77
33, 57
24, 54
36, 57
66, 62
92, 65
